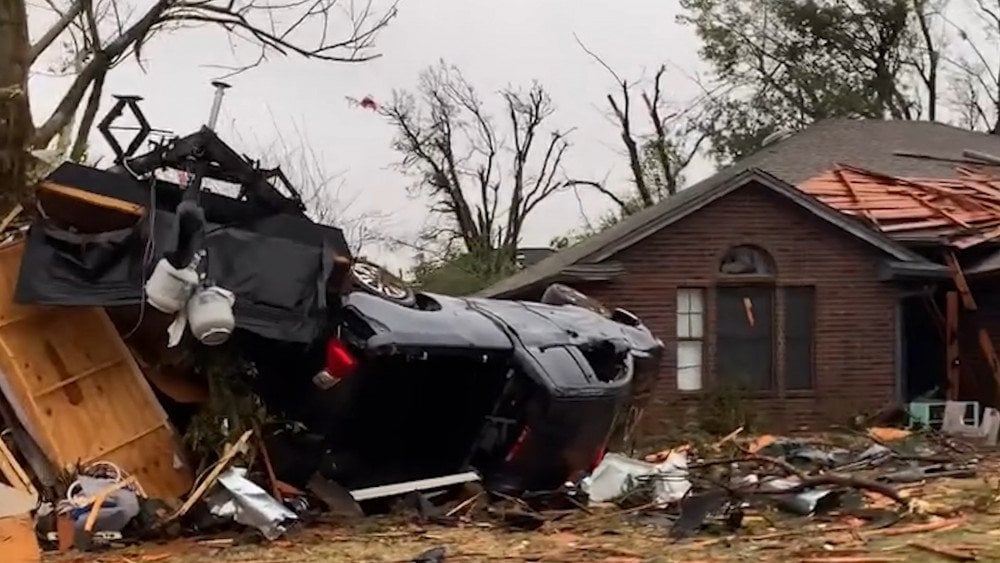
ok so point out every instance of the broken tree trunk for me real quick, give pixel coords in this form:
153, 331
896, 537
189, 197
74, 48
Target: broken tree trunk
15, 112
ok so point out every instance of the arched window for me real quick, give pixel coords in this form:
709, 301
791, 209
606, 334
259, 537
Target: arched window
747, 260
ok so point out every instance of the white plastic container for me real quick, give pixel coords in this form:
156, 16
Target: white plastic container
210, 315
168, 288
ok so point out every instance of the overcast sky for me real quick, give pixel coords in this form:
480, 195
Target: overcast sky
495, 43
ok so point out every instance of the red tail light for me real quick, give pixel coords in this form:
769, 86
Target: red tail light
518, 444
339, 361
598, 458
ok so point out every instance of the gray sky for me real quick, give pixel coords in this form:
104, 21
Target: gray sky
495, 43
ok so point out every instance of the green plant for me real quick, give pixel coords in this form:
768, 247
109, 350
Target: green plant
724, 408
232, 407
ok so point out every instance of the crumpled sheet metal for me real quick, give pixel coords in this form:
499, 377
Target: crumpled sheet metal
242, 500
617, 475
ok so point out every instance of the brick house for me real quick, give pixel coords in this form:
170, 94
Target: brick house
815, 302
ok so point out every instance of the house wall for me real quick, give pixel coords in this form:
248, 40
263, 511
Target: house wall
855, 328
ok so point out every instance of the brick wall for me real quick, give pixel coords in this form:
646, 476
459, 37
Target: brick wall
855, 327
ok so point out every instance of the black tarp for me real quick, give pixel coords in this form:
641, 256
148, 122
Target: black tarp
277, 265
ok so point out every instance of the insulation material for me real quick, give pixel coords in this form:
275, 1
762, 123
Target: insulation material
963, 211
80, 391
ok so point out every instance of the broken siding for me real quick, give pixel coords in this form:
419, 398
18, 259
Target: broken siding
854, 356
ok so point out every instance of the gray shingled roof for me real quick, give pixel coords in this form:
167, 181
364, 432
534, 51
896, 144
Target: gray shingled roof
870, 144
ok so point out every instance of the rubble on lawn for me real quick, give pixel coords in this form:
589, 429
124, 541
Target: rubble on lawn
177, 364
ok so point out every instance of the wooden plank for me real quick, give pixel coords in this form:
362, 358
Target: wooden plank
73, 379
18, 542
92, 198
951, 345
209, 480
13, 471
79, 387
960, 282
854, 194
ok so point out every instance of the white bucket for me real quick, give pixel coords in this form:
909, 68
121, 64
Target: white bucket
210, 315
168, 288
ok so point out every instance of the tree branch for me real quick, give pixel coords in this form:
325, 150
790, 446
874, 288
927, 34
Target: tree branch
87, 121
600, 188
55, 31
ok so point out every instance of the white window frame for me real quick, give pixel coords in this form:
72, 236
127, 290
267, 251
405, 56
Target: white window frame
690, 338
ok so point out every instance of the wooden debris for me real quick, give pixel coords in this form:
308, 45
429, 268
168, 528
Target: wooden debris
217, 542
220, 466
946, 552
861, 559
13, 472
66, 365
727, 438
271, 477
663, 455
965, 210
9, 218
464, 504
884, 434
938, 526
761, 442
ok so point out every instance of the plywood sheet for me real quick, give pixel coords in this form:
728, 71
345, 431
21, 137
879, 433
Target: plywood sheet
81, 391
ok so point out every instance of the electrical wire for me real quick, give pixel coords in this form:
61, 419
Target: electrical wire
149, 252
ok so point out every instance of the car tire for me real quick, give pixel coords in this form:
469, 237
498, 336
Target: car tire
376, 280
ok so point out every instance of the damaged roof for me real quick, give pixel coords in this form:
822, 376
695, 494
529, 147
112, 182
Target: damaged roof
898, 148
961, 212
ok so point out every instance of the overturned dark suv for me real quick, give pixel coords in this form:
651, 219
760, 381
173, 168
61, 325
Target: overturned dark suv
528, 394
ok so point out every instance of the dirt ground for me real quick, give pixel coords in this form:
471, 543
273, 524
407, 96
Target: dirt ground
955, 520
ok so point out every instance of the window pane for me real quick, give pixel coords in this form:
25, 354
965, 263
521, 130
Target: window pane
697, 300
689, 300
800, 314
683, 301
689, 365
689, 312
744, 339
697, 324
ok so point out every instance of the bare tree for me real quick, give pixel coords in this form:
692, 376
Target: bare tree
975, 66
657, 159
927, 59
450, 143
108, 31
324, 192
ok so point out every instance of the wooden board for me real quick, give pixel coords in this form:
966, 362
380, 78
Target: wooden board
82, 392
18, 543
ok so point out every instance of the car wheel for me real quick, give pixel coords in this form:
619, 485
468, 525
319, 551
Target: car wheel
376, 280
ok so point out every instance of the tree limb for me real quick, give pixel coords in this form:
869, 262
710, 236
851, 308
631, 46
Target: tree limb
55, 31
87, 120
99, 63
660, 140
600, 188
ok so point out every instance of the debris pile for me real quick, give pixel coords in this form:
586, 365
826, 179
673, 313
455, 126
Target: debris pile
962, 210
176, 361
